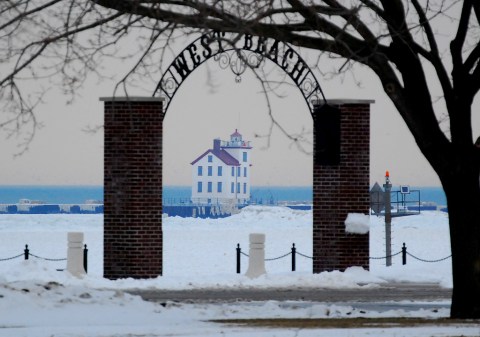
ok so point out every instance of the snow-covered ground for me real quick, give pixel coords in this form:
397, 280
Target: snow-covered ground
38, 300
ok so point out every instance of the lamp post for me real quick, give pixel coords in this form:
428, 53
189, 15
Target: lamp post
388, 220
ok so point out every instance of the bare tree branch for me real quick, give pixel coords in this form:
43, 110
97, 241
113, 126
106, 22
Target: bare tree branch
22, 15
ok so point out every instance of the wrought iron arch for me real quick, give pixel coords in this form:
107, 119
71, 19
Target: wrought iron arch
238, 54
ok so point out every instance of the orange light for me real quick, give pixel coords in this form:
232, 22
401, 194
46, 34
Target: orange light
387, 174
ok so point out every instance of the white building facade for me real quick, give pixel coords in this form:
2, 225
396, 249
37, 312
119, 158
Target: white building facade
222, 175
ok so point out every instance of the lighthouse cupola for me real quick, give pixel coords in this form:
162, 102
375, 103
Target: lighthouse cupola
236, 137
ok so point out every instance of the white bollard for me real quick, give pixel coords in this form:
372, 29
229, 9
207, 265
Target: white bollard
75, 254
256, 260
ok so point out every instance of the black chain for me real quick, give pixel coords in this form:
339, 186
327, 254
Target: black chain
289, 253
45, 258
308, 257
278, 258
13, 257
385, 257
429, 261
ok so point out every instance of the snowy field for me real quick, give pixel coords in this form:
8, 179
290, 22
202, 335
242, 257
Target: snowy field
38, 300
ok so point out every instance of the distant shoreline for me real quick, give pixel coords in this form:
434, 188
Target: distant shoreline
74, 194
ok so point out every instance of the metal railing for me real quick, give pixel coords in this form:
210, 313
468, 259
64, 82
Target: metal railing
401, 203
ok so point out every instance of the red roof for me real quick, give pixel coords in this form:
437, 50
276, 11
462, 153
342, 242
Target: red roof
221, 154
235, 134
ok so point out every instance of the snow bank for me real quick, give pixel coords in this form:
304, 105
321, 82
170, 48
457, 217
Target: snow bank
53, 309
37, 300
201, 253
357, 223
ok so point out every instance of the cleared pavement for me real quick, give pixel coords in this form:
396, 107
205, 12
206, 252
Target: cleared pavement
391, 292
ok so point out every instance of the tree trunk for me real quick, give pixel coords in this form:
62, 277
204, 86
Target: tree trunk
462, 190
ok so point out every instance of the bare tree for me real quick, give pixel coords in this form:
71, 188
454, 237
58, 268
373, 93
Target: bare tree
398, 40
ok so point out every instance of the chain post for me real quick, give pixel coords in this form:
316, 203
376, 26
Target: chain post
294, 252
85, 258
26, 252
239, 250
404, 254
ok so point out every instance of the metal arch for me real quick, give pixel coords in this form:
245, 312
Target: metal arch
238, 56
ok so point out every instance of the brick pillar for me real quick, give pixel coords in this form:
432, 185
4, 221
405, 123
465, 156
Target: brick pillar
341, 189
133, 187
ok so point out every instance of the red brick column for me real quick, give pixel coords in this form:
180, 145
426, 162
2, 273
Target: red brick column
342, 189
133, 187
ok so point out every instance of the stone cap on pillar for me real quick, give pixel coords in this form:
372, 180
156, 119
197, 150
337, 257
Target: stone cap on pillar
257, 237
131, 99
75, 236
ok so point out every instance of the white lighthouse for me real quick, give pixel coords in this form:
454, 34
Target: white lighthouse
221, 175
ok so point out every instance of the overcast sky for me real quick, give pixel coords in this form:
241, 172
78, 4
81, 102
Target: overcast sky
63, 153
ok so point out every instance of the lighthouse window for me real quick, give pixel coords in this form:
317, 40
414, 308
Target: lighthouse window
199, 187
209, 171
200, 170
210, 159
245, 157
219, 172
209, 187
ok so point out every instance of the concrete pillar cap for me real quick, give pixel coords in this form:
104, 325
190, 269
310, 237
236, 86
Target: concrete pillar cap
75, 236
257, 237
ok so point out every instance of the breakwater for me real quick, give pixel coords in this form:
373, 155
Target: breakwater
51, 208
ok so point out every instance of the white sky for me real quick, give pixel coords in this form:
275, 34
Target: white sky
63, 153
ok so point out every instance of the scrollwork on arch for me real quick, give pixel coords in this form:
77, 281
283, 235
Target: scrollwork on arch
238, 61
247, 52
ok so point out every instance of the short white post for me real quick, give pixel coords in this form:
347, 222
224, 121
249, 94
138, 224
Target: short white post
256, 260
75, 254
